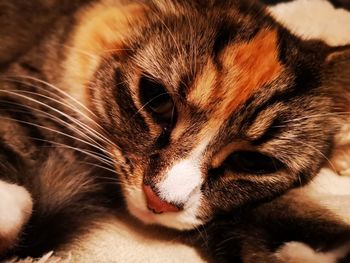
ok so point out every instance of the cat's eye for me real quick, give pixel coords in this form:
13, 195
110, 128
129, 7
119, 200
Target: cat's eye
157, 100
252, 162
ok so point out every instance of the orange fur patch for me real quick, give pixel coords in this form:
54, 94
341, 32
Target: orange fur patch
102, 30
246, 68
201, 94
250, 66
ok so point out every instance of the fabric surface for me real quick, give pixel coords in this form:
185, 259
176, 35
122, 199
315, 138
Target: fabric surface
120, 238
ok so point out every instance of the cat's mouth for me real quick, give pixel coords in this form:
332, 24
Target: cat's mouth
182, 219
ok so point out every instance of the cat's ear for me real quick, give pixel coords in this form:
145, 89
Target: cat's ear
336, 76
337, 63
338, 56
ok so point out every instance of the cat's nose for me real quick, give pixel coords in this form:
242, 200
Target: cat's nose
155, 204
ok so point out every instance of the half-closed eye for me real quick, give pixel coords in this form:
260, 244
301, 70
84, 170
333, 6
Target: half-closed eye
157, 101
252, 162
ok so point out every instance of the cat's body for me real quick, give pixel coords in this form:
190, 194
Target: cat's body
234, 86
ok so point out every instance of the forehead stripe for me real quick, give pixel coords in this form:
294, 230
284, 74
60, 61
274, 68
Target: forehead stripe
247, 66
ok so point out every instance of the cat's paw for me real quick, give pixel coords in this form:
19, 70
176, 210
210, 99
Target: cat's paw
296, 252
15, 209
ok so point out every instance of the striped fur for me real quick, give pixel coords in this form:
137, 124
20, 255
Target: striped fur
74, 121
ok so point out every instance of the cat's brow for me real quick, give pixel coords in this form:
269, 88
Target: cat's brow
250, 66
265, 130
247, 67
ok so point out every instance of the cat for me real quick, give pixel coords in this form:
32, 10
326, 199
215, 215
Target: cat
195, 109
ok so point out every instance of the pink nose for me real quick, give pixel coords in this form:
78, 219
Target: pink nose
155, 204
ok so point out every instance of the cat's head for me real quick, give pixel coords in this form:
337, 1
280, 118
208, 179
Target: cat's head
210, 108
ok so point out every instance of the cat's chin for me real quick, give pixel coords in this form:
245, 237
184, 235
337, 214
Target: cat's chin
183, 220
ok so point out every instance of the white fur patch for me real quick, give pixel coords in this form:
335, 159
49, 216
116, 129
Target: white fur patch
15, 209
183, 178
180, 181
182, 220
296, 252
181, 185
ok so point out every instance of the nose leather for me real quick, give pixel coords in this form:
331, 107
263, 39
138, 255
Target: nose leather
155, 204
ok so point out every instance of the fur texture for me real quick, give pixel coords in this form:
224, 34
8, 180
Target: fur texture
239, 89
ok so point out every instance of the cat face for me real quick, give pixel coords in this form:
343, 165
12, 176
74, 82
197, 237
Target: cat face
210, 108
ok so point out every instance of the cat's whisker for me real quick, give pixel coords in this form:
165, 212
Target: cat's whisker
84, 126
204, 237
105, 155
193, 47
62, 100
150, 101
146, 104
65, 146
222, 243
81, 51
75, 109
91, 55
344, 113
54, 88
92, 155
172, 114
107, 158
171, 35
294, 123
71, 106
102, 167
55, 110
299, 180
111, 180
312, 147
102, 157
105, 179
117, 49
57, 119
49, 129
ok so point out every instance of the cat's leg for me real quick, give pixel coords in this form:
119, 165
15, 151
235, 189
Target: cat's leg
309, 224
15, 209
330, 191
